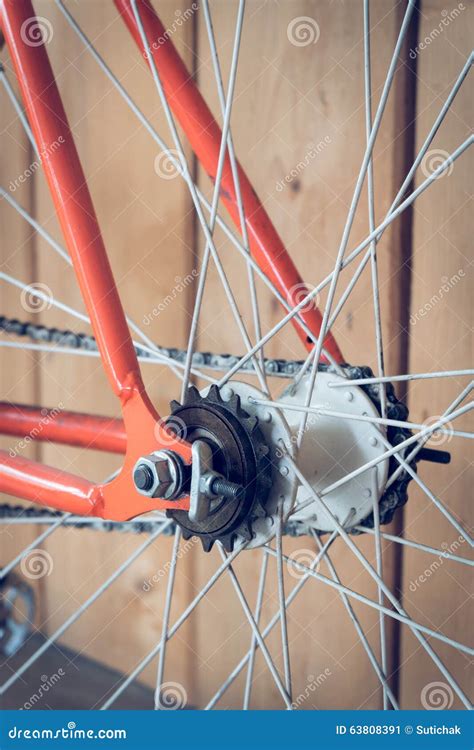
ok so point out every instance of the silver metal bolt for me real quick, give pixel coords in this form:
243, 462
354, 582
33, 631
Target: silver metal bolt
159, 474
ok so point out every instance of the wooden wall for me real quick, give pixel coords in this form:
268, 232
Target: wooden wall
288, 100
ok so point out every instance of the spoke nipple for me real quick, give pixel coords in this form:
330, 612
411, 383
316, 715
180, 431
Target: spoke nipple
284, 471
373, 441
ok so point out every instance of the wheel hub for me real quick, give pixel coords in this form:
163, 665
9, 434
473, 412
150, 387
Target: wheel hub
240, 434
332, 448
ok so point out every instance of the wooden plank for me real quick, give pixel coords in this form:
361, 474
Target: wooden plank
303, 104
146, 226
18, 376
435, 590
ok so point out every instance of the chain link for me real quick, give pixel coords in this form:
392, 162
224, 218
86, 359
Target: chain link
283, 368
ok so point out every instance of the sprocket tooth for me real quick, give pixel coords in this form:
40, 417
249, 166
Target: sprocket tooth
174, 405
258, 510
228, 541
251, 423
214, 394
192, 395
207, 543
234, 402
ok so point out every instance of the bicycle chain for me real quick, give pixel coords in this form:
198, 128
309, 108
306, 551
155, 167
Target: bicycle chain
222, 362
393, 498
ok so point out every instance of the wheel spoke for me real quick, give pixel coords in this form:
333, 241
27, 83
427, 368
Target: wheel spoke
75, 616
281, 597
283, 405
207, 229
371, 203
248, 613
378, 230
166, 617
351, 215
418, 545
447, 514
450, 411
253, 647
187, 612
380, 672
246, 659
236, 179
416, 629
171, 155
35, 543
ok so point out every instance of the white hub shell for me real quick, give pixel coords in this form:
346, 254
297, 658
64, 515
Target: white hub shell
332, 448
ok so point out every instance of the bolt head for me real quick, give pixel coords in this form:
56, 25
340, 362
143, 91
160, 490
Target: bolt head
156, 475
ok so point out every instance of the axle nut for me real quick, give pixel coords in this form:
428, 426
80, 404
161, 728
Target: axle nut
161, 474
